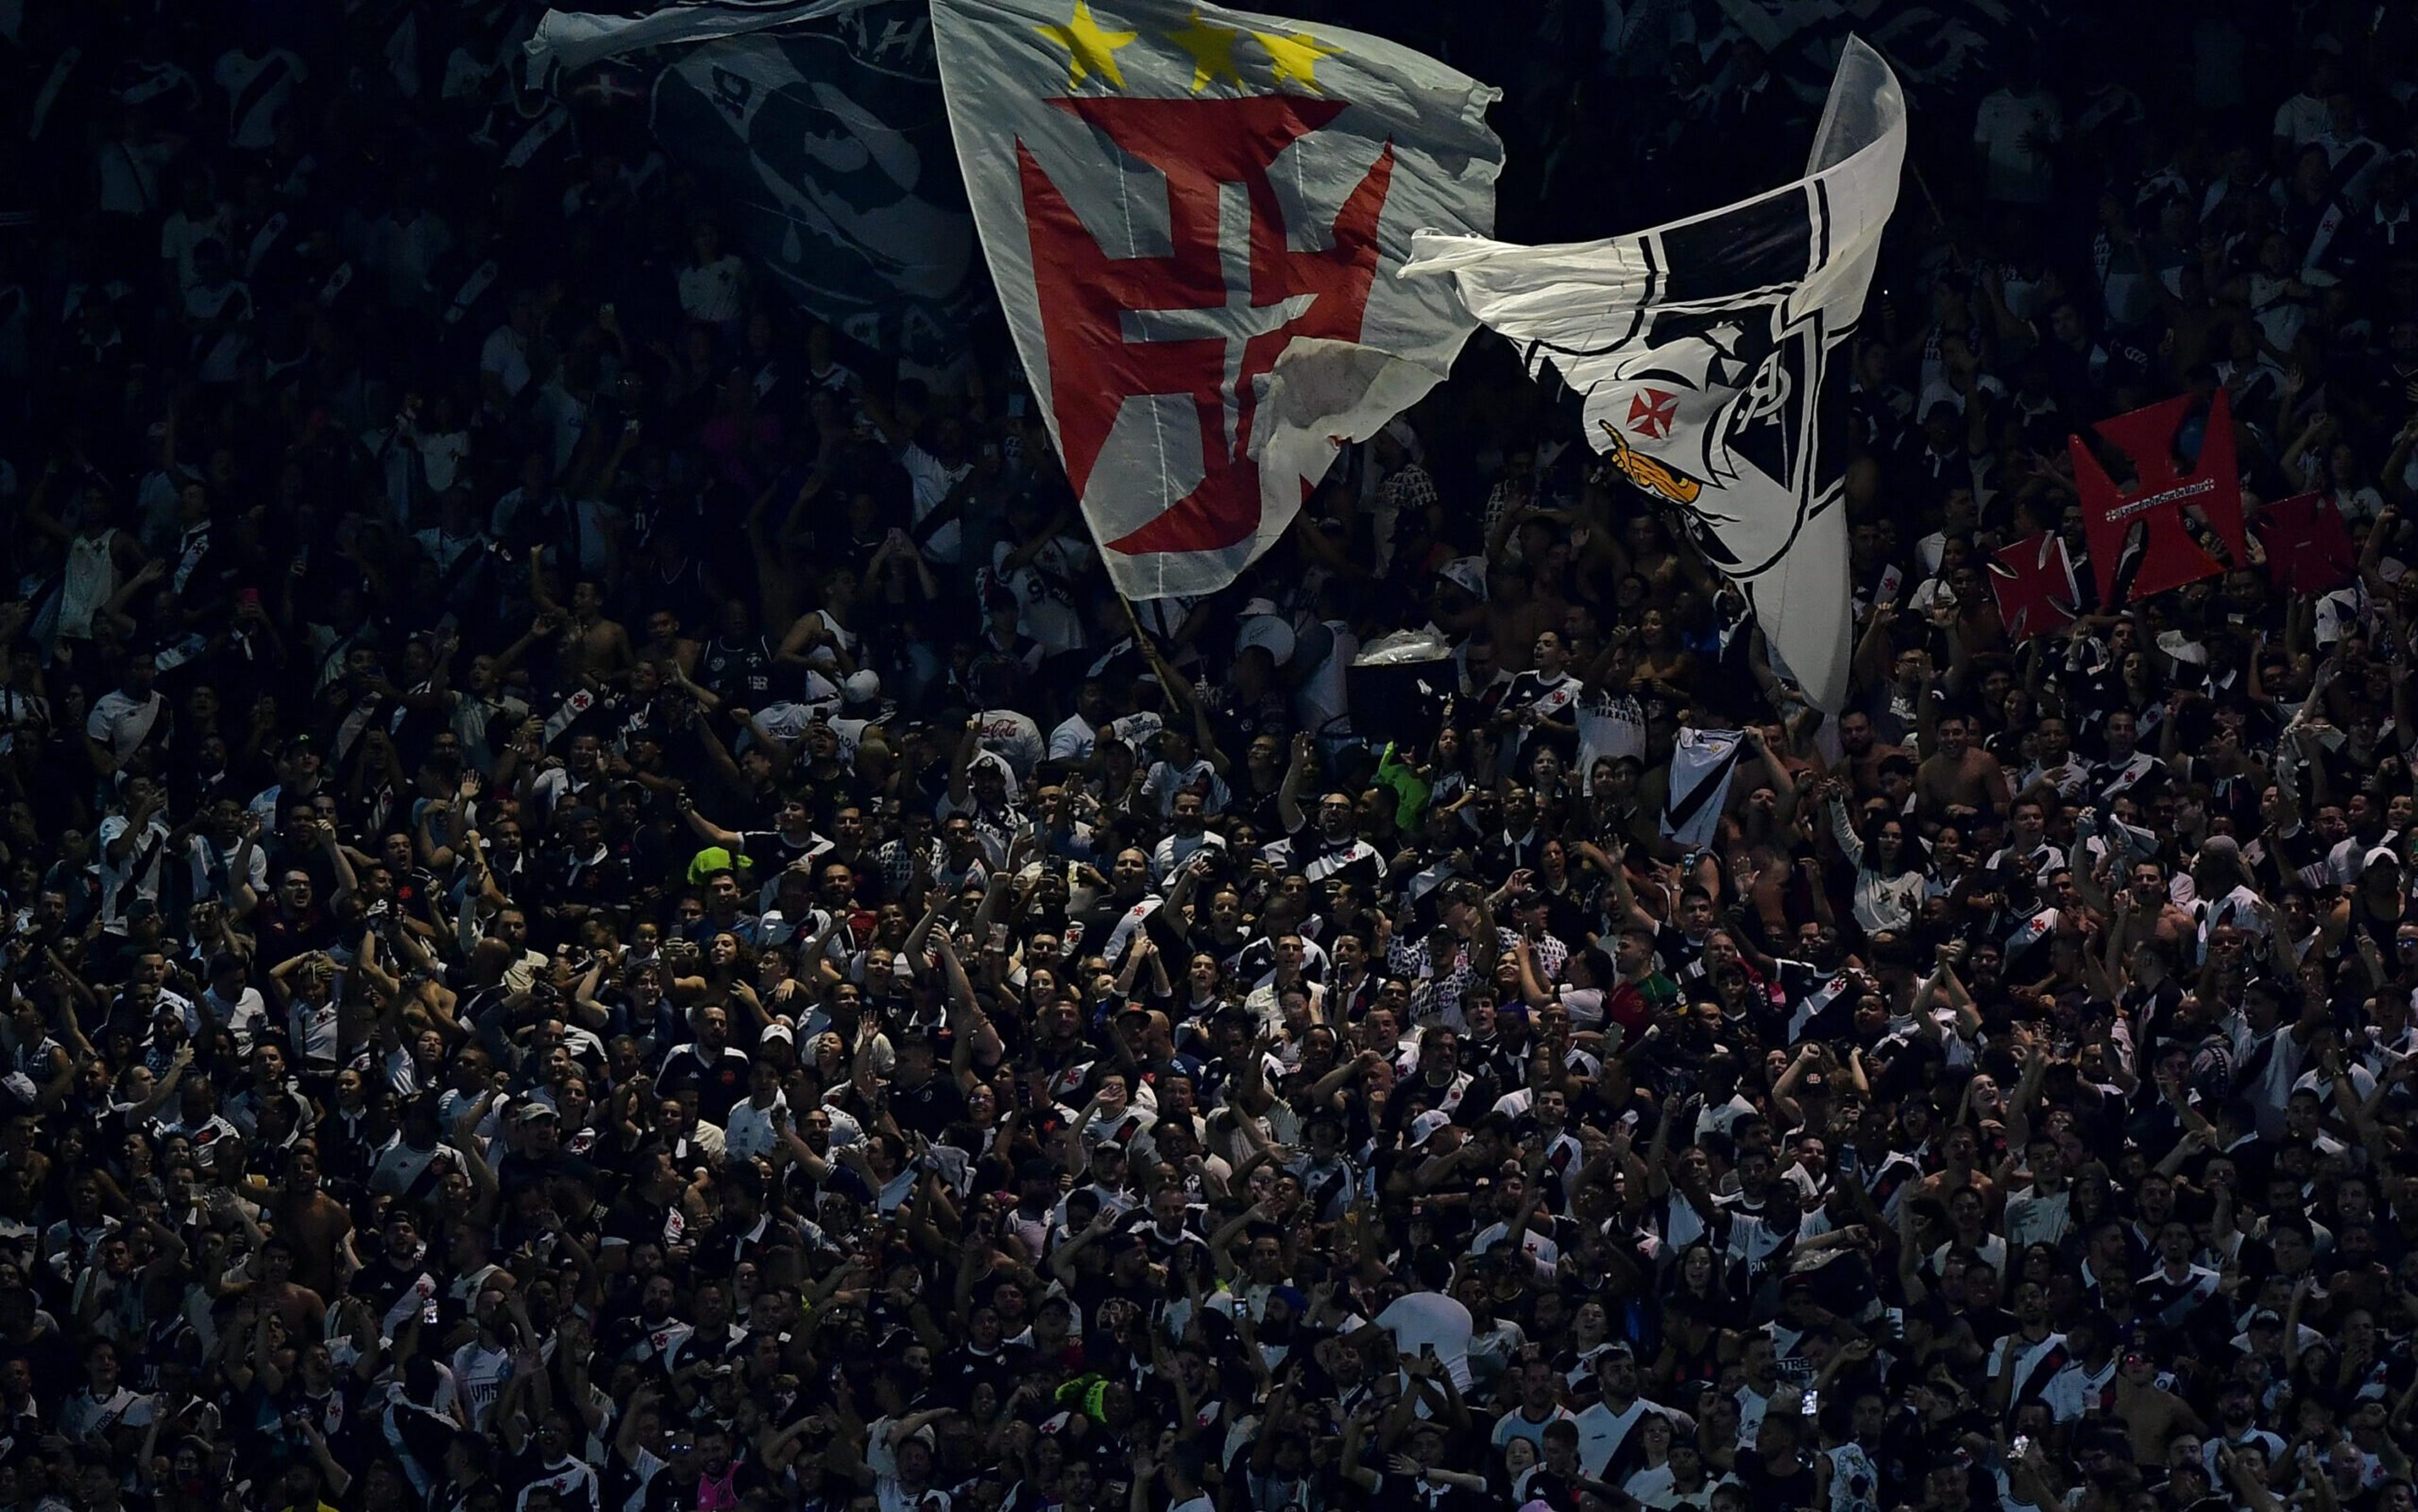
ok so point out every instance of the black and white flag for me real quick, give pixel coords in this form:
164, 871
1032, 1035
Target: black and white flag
817, 129
1702, 764
1701, 349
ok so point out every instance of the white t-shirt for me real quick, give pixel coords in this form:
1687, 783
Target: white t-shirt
710, 294
1432, 1318
312, 1029
181, 232
1076, 739
2016, 175
137, 875
933, 479
230, 301
1608, 726
479, 1377
1044, 610
2303, 119
1654, 1489
506, 356
749, 1132
1013, 737
1603, 1431
244, 1018
257, 89
119, 724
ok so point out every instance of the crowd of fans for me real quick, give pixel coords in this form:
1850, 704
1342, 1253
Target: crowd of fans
605, 912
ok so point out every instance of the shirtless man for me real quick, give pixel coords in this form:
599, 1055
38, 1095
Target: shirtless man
1864, 751
592, 648
666, 646
1515, 615
1960, 1166
1960, 781
2147, 911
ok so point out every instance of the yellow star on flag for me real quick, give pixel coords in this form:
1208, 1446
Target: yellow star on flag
1090, 49
1296, 57
1212, 49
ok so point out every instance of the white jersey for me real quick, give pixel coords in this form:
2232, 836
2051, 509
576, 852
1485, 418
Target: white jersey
1609, 727
1855, 1482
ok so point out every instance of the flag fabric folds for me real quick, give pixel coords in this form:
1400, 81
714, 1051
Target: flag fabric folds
2308, 547
2033, 582
1947, 51
1701, 348
1193, 217
823, 146
827, 149
572, 39
1702, 764
2141, 543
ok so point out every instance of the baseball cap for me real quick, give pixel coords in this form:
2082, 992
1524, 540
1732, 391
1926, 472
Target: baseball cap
1262, 626
716, 859
1425, 1125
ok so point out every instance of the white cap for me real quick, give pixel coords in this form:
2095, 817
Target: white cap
1262, 626
1470, 573
861, 687
1424, 1126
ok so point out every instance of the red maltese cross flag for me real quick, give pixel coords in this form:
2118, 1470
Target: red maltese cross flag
1194, 218
2033, 582
2139, 536
2308, 547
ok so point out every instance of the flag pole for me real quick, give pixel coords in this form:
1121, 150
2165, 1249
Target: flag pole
1149, 647
1928, 198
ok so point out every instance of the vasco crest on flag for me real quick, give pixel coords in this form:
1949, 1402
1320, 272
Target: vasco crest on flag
1193, 217
1701, 348
825, 146
2308, 547
2033, 582
2140, 541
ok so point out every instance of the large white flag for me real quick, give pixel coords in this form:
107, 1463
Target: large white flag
1193, 217
1701, 348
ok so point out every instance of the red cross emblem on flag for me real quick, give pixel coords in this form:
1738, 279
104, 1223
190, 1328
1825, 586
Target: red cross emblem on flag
2141, 534
608, 89
1206, 320
2033, 582
2308, 547
1651, 412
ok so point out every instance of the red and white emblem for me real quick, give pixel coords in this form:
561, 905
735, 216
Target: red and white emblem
1206, 321
1194, 216
1651, 412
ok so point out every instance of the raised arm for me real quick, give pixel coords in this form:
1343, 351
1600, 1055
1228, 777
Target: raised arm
1289, 793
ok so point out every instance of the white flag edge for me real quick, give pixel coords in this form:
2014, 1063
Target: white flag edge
573, 40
